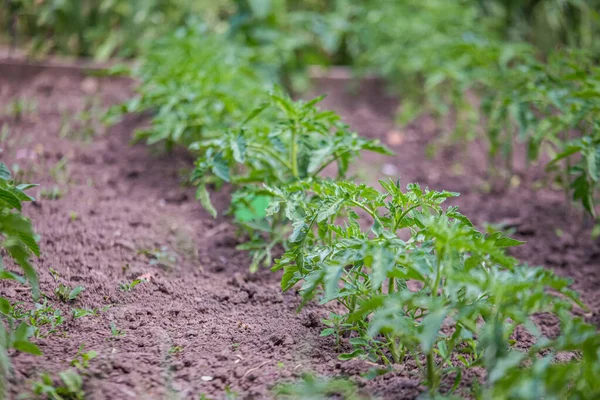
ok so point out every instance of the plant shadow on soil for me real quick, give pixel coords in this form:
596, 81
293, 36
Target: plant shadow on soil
121, 206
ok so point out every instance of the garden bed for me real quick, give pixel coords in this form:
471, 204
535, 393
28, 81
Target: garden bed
203, 324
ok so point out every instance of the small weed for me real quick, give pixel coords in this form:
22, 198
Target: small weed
73, 216
129, 286
82, 126
44, 319
116, 332
4, 133
61, 172
311, 387
336, 327
87, 312
174, 350
65, 294
82, 360
54, 274
52, 194
230, 394
20, 107
68, 386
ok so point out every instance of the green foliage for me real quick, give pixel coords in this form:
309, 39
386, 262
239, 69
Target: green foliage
197, 84
82, 360
129, 286
98, 28
469, 298
67, 294
19, 242
68, 386
300, 144
310, 387
116, 332
443, 53
44, 319
87, 312
289, 35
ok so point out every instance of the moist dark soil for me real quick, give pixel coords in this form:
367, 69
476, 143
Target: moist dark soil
109, 212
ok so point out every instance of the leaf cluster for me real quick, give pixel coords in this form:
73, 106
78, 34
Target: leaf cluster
19, 242
450, 51
301, 143
196, 84
422, 283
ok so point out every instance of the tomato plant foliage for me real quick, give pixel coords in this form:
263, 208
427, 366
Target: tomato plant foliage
421, 282
301, 142
19, 243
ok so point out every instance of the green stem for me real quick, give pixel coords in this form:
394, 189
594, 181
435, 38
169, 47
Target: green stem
394, 350
368, 210
294, 152
273, 154
438, 275
431, 375
326, 164
404, 215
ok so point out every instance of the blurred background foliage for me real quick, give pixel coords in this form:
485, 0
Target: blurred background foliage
531, 64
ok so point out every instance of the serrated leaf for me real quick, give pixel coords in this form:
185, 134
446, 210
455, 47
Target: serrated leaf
220, 167
238, 148
204, 197
329, 208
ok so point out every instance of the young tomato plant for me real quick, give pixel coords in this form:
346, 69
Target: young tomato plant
196, 84
422, 283
301, 143
19, 243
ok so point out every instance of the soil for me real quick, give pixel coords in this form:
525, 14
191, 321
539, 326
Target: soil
203, 324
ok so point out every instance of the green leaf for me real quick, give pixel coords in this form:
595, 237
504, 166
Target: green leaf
10, 199
350, 356
5, 306
220, 167
204, 197
238, 147
329, 208
75, 292
27, 347
4, 172
254, 113
327, 332
430, 328
30, 243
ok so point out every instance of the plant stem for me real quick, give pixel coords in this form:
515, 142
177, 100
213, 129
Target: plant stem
431, 375
294, 152
438, 275
273, 154
368, 210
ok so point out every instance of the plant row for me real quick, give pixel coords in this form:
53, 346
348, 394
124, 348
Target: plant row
455, 58
412, 279
436, 52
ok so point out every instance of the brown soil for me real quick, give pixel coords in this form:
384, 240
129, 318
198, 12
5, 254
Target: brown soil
203, 315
